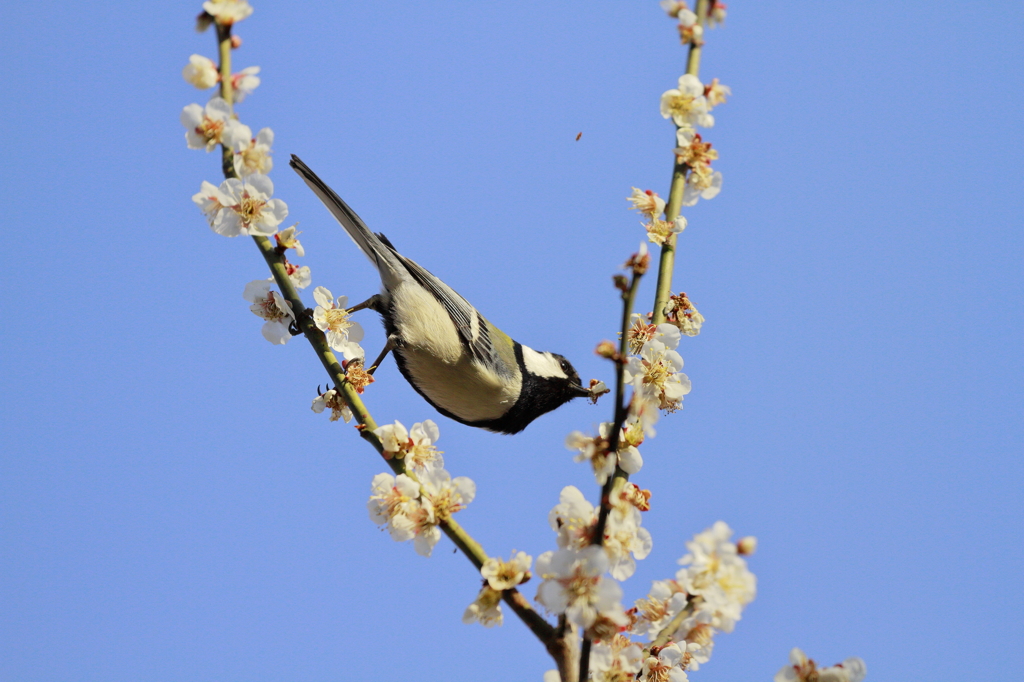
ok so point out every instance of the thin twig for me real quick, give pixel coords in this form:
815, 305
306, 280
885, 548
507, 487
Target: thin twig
666, 264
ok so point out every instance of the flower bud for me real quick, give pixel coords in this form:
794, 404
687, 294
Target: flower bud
607, 350
747, 545
621, 283
236, 42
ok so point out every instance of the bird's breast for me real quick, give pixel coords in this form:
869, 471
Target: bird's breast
434, 359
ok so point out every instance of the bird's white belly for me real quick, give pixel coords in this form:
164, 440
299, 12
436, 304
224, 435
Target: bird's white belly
438, 363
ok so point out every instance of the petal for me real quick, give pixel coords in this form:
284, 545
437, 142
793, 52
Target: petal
256, 289
276, 333
323, 297
261, 183
630, 460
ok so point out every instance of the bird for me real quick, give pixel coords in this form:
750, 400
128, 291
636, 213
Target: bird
464, 366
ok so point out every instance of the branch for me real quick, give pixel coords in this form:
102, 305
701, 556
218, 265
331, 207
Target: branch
621, 412
675, 193
274, 258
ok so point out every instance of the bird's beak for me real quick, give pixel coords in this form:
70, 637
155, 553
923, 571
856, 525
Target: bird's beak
580, 391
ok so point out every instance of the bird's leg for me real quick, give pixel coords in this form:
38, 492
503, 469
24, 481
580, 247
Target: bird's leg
375, 302
393, 343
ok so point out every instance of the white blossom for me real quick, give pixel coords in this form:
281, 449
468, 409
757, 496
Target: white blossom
504, 575
714, 571
665, 667
692, 193
332, 399
672, 7
615, 660
686, 105
443, 496
300, 276
648, 203
244, 82
574, 585
394, 501
655, 611
206, 127
485, 609
252, 154
716, 93
227, 12
595, 449
803, 669
656, 377
415, 447
625, 541
242, 207
201, 72
331, 317
272, 307
573, 518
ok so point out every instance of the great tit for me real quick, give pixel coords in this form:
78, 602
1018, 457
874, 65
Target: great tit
463, 365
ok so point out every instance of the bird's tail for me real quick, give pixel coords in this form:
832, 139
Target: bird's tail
390, 268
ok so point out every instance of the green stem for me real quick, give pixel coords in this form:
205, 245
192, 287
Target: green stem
304, 321
666, 263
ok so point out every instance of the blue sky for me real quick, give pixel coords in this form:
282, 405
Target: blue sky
171, 509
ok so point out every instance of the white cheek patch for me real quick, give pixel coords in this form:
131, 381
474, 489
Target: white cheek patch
542, 364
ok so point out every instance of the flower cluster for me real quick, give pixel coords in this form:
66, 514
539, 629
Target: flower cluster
803, 669
624, 541
416, 447
690, 31
708, 593
499, 575
697, 155
655, 373
412, 511
651, 206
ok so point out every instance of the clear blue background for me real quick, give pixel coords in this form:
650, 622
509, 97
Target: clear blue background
170, 509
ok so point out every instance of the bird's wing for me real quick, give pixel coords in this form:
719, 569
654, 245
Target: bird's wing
473, 329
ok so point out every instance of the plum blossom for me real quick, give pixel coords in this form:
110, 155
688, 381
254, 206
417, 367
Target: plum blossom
715, 93
701, 181
625, 541
415, 447
332, 399
272, 307
573, 518
655, 375
714, 572
616, 659
803, 669
252, 154
695, 191
441, 497
201, 72
665, 667
485, 609
660, 231
654, 612
716, 13
394, 501
673, 7
227, 12
690, 31
686, 105
681, 313
331, 317
300, 276
504, 575
240, 207
648, 203
595, 449
288, 238
574, 585
244, 82
206, 127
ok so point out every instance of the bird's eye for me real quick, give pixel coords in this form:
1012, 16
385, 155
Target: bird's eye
565, 366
